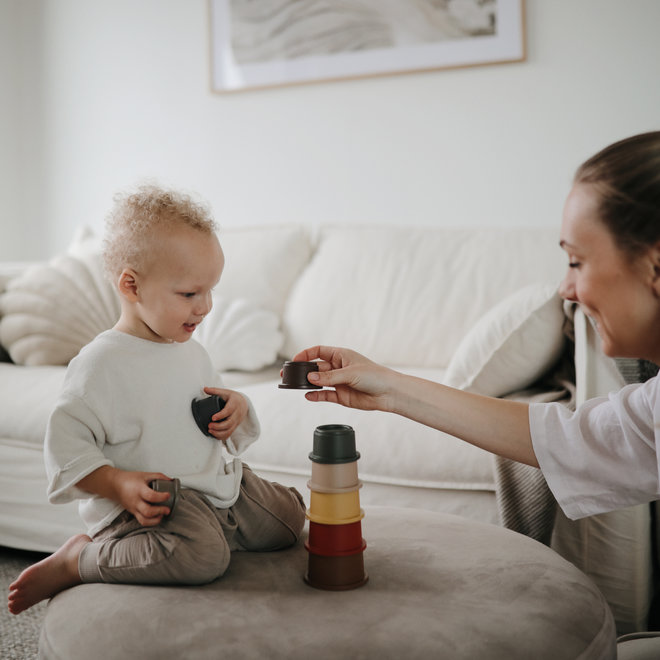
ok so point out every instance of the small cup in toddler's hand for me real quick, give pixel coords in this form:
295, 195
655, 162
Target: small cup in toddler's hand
166, 486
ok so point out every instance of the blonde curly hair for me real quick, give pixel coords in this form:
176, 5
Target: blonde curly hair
138, 217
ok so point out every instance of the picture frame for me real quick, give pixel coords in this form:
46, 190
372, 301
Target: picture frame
272, 43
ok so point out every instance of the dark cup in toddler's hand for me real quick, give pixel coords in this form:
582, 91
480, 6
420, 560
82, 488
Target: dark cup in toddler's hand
203, 410
166, 486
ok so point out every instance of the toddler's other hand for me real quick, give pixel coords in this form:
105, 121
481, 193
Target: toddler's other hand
135, 495
230, 417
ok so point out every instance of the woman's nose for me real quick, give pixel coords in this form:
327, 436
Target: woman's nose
567, 288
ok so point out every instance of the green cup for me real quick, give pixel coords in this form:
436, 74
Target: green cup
334, 443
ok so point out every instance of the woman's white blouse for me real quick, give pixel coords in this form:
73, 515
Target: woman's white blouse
603, 456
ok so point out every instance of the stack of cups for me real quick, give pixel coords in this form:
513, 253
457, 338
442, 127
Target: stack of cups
335, 544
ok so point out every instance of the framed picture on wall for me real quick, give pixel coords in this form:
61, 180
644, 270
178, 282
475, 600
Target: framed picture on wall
266, 43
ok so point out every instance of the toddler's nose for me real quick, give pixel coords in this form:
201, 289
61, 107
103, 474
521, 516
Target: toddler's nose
205, 306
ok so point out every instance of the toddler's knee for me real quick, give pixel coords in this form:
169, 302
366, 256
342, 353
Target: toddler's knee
285, 529
206, 561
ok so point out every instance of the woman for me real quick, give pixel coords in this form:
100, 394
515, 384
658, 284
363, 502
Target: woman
603, 456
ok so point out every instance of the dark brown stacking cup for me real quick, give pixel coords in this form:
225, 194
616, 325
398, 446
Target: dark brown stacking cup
294, 376
336, 573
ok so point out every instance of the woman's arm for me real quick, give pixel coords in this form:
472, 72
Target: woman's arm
496, 425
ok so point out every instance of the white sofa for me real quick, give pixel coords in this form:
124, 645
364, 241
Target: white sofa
476, 308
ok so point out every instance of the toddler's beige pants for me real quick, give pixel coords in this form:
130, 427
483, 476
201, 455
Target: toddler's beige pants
194, 545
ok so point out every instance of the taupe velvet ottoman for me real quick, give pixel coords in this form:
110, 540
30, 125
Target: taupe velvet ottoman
440, 586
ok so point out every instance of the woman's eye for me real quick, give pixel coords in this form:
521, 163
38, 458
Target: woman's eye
187, 295
574, 264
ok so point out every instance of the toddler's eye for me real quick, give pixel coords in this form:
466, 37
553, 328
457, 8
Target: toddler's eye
187, 295
574, 264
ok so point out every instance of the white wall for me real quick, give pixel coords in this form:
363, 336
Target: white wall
122, 90
20, 131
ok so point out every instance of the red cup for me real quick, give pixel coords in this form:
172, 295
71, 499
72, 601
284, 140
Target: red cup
336, 573
335, 540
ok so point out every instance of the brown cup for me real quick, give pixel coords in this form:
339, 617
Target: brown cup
335, 540
335, 475
336, 573
294, 376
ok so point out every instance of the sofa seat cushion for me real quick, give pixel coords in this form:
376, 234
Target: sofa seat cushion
28, 396
27, 520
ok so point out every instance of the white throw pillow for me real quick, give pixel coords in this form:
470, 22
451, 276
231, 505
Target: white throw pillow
262, 263
512, 345
239, 335
53, 309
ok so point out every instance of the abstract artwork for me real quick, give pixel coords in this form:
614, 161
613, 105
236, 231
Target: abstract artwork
265, 43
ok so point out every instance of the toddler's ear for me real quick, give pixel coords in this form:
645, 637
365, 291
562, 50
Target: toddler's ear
127, 284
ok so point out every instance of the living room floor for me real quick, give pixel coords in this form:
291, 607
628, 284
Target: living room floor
19, 635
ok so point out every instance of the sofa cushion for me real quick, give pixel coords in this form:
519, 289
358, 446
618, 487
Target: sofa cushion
408, 296
262, 263
240, 335
512, 345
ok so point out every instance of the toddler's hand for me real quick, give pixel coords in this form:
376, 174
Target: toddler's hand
228, 419
135, 495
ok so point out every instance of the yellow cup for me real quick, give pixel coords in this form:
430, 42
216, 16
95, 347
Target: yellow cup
335, 508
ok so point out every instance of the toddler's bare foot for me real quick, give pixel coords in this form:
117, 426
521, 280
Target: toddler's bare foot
48, 577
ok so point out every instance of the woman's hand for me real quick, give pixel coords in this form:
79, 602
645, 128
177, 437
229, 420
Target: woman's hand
357, 381
225, 422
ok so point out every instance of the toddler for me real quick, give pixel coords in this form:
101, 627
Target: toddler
124, 419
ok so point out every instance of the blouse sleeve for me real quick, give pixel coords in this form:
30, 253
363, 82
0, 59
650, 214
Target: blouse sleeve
603, 456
